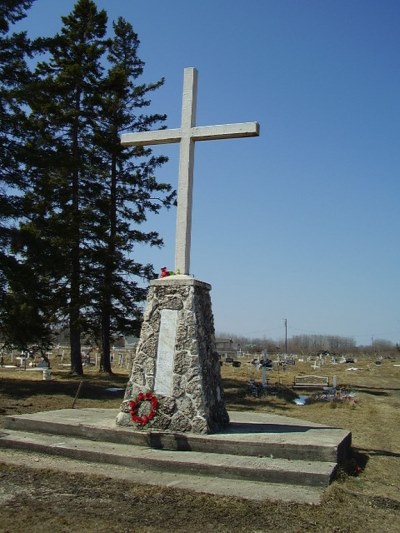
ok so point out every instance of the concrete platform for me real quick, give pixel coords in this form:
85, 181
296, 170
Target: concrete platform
293, 457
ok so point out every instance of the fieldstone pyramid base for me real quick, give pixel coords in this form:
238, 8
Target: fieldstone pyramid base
176, 377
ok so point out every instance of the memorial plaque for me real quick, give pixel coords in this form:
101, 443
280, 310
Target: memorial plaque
166, 352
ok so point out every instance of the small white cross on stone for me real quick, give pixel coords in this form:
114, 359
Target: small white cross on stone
186, 135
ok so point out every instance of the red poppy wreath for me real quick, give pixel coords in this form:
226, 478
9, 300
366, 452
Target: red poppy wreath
134, 407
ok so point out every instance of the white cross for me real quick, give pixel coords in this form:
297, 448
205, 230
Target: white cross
186, 135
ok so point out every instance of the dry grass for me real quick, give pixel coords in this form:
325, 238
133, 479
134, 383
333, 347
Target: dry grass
373, 417
369, 500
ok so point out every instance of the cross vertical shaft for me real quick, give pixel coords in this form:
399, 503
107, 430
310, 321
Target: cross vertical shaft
185, 183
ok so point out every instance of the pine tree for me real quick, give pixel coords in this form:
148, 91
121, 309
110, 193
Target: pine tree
63, 119
11, 11
20, 320
129, 191
84, 194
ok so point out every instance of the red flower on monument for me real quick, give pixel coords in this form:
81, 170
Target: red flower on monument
164, 272
134, 405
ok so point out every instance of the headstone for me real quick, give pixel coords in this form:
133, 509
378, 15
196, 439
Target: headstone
175, 383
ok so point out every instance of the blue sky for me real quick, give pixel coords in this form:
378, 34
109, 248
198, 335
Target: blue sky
301, 223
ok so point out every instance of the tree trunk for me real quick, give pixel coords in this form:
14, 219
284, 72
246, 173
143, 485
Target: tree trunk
109, 269
105, 360
76, 356
74, 315
75, 303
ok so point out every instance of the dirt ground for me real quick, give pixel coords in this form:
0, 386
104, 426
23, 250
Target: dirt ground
367, 497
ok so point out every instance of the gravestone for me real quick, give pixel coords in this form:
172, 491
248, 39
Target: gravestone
176, 363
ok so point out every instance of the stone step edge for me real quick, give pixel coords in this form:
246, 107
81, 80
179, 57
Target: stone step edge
218, 465
234, 488
180, 442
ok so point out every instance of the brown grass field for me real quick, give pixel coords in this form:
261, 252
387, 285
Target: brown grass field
365, 497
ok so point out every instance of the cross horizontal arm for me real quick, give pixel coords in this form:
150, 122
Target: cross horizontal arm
226, 131
146, 138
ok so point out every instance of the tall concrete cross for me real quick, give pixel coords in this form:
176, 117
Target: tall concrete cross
186, 135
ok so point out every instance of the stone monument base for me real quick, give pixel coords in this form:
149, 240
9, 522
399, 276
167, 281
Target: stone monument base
260, 456
176, 363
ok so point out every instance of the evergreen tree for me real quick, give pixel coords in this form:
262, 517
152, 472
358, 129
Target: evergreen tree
11, 11
63, 119
128, 190
81, 195
17, 306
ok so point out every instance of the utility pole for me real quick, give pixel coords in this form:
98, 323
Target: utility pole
285, 322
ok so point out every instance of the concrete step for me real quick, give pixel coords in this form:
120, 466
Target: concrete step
245, 489
215, 465
249, 434
259, 456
